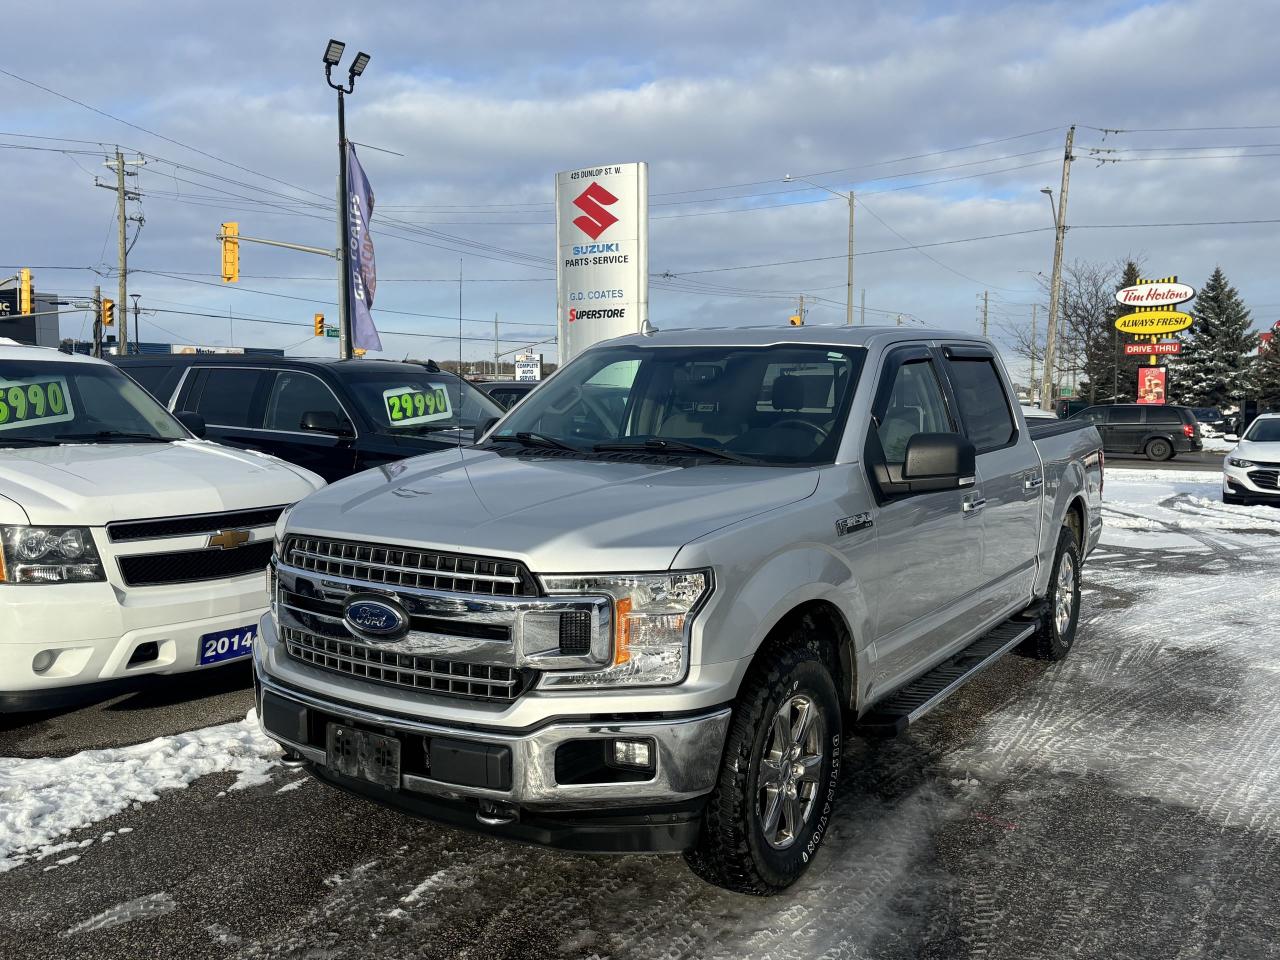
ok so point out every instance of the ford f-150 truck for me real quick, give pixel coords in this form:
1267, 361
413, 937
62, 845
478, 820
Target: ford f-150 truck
645, 610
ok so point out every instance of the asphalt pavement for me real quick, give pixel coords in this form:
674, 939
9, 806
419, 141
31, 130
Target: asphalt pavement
1123, 803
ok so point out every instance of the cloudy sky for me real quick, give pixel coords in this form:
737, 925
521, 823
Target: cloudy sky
947, 119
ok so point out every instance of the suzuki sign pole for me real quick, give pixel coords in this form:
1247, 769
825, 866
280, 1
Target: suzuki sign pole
602, 254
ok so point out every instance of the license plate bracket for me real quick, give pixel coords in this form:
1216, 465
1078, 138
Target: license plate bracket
362, 755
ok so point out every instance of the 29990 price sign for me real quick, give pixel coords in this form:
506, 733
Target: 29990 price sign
410, 405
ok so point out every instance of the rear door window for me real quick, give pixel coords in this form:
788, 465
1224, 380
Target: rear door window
294, 394
227, 397
984, 407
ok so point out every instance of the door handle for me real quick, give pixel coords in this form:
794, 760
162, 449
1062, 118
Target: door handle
973, 506
1033, 483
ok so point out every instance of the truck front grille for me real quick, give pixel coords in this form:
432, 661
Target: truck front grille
428, 674
191, 566
400, 567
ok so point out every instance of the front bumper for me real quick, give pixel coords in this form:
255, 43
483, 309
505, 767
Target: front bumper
1255, 483
95, 629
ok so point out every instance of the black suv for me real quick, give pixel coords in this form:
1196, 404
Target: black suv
507, 393
335, 417
1157, 430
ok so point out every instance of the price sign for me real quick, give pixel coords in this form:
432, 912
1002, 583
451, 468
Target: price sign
410, 405
37, 400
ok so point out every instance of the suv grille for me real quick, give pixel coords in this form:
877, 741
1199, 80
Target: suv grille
396, 567
191, 526
153, 569
428, 674
1265, 478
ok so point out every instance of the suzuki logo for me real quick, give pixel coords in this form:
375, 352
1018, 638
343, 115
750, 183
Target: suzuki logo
229, 539
592, 202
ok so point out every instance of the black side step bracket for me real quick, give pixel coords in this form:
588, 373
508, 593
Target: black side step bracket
895, 713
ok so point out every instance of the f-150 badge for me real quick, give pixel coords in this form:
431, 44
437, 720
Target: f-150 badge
847, 525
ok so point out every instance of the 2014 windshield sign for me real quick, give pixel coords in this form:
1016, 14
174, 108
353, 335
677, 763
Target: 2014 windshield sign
601, 245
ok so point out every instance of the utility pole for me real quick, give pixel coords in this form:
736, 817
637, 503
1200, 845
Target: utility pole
1055, 282
899, 319
137, 326
496, 355
123, 336
863, 321
97, 321
1032, 378
848, 296
986, 303
802, 309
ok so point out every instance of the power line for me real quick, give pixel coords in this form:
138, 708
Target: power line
303, 323
1108, 130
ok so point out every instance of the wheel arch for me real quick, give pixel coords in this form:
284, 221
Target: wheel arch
825, 622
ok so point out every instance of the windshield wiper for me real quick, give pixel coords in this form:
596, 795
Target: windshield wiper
528, 439
28, 442
661, 445
104, 435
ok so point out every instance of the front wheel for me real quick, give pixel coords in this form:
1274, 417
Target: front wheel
1159, 449
774, 797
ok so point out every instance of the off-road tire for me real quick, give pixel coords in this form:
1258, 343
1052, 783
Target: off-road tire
1053, 641
1159, 449
732, 851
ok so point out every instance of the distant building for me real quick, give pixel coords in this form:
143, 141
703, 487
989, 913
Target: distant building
149, 349
37, 330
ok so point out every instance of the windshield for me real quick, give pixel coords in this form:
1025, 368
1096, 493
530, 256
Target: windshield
1264, 431
772, 405
44, 402
413, 401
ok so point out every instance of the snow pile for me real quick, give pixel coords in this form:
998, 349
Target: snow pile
41, 800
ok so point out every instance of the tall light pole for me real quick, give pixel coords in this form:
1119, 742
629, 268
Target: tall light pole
1055, 282
848, 293
332, 56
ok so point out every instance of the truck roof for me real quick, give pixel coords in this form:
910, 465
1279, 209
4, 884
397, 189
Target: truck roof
765, 336
9, 350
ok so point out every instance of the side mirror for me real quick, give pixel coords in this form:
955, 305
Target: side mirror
938, 461
324, 421
192, 421
481, 428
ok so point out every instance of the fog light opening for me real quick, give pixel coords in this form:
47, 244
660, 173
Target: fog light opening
43, 661
637, 754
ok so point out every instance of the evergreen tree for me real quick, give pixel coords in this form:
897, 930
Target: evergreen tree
1266, 376
1119, 369
1215, 367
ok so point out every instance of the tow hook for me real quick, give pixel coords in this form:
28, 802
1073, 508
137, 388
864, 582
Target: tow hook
292, 760
496, 814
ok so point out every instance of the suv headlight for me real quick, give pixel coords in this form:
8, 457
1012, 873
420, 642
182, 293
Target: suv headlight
652, 613
49, 555
1237, 462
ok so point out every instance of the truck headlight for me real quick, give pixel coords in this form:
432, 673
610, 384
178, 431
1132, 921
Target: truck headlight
48, 555
651, 617
1237, 462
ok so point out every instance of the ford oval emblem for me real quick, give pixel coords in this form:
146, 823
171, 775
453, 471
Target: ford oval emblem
376, 617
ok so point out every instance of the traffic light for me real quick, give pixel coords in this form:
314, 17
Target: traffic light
359, 351
108, 313
230, 252
797, 320
319, 324
25, 295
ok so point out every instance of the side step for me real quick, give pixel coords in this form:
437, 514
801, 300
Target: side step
895, 713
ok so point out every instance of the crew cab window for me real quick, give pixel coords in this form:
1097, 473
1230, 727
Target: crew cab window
226, 397
1125, 415
294, 394
915, 406
984, 408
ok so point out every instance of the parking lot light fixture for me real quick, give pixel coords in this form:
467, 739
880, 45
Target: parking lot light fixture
333, 53
361, 61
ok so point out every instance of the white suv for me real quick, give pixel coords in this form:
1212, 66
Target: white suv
127, 545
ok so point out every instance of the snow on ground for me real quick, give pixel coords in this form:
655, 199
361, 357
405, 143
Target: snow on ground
43, 799
1219, 444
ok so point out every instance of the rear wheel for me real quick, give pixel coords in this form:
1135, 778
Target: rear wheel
1159, 449
774, 796
1057, 631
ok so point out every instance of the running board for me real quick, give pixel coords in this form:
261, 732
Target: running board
895, 713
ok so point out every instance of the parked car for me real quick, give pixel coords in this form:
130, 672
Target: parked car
127, 546
1251, 472
507, 393
1068, 407
641, 627
1158, 432
335, 417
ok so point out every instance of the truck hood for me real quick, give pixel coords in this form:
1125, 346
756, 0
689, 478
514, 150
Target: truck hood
558, 516
96, 484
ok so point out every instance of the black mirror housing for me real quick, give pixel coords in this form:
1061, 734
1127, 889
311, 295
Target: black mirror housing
939, 461
192, 421
324, 421
481, 428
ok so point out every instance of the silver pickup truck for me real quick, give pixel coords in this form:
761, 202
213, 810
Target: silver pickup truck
645, 609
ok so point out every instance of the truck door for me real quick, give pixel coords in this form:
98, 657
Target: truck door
1009, 474
925, 569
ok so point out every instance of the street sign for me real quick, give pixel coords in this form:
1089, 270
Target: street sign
529, 366
331, 332
1152, 349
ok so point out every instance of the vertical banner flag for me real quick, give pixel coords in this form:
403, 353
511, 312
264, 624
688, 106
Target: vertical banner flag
362, 274
602, 254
